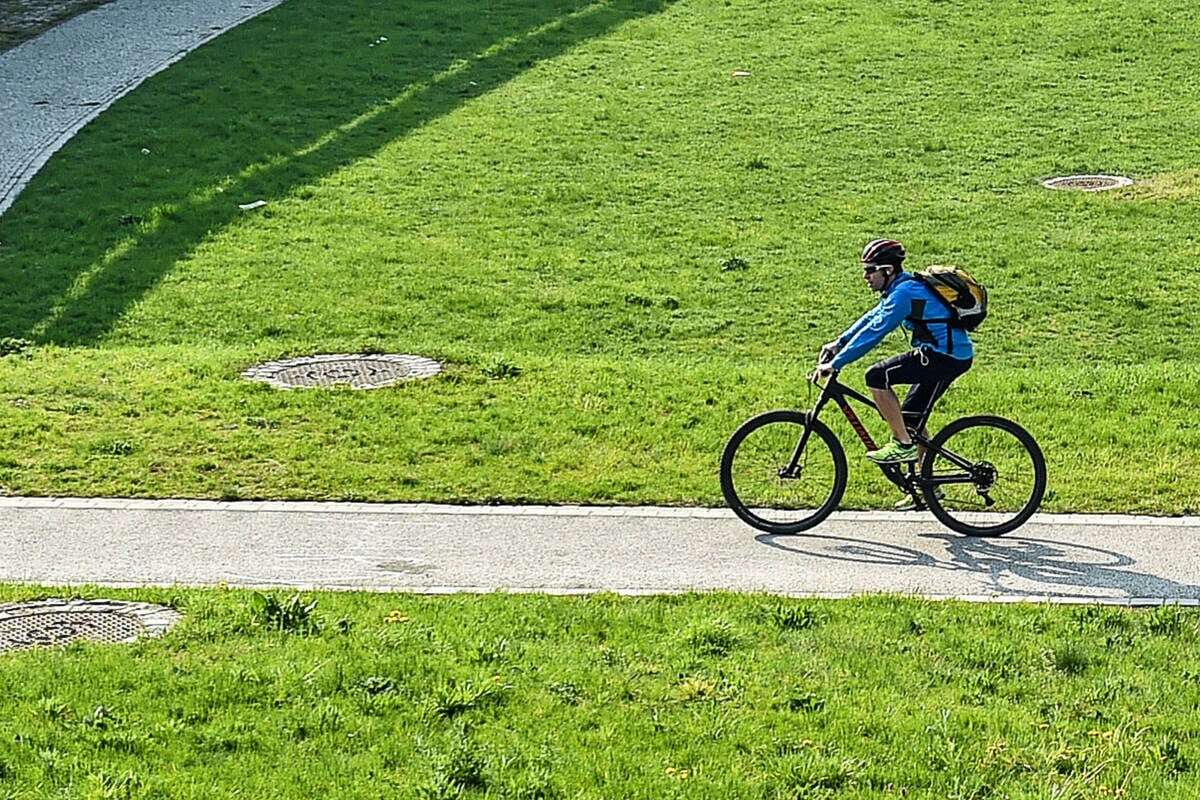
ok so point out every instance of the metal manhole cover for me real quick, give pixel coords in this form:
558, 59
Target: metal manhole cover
1087, 183
347, 369
57, 622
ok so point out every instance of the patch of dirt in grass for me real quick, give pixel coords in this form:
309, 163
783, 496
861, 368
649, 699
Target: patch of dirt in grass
24, 19
1183, 185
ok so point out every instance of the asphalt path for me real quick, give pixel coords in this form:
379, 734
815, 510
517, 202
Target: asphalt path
565, 550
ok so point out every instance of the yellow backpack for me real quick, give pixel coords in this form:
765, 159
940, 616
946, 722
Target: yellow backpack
966, 297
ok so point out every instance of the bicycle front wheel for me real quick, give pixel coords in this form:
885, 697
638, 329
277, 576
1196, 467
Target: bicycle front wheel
765, 489
983, 476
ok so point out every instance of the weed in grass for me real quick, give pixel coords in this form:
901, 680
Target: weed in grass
806, 702
120, 786
1069, 760
112, 447
996, 658
291, 615
101, 719
53, 709
498, 445
810, 775
568, 692
1168, 753
1069, 659
735, 264
608, 656
128, 742
1114, 625
501, 369
702, 690
794, 618
329, 718
456, 769
1165, 621
534, 784
452, 697
756, 163
978, 687
437, 788
638, 300
374, 685
714, 638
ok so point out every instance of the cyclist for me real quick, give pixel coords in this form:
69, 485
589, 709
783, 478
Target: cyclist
940, 354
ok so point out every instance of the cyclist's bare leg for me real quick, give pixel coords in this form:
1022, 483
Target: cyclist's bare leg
889, 407
921, 449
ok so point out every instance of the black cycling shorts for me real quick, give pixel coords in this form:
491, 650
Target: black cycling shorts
928, 375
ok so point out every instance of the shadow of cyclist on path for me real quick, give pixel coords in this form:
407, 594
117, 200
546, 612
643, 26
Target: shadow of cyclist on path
1004, 566
1011, 564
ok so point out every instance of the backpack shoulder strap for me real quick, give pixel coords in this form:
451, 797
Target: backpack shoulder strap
920, 325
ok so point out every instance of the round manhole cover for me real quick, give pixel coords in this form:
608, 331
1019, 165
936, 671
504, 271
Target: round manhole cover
56, 622
1087, 183
356, 371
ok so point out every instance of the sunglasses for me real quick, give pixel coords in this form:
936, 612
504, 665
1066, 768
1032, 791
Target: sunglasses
872, 268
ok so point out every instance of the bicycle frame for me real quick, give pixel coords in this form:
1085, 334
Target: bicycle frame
907, 481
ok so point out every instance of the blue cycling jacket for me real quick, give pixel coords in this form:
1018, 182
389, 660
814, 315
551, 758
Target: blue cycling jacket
904, 301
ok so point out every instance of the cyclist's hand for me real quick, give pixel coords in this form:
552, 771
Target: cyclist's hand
823, 370
828, 351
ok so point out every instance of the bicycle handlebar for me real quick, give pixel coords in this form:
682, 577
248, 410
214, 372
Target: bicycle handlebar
815, 375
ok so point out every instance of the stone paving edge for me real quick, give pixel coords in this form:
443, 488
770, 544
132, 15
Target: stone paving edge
442, 509
1042, 599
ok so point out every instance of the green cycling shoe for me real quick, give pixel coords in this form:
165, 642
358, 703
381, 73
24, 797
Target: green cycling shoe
894, 453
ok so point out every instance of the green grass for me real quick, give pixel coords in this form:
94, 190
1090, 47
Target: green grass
583, 192
368, 695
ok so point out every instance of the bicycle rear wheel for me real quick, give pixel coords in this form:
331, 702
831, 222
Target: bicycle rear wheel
757, 484
983, 476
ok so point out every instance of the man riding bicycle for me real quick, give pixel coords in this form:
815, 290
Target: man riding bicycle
941, 352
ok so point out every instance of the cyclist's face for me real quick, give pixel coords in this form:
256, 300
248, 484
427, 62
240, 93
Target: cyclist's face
875, 276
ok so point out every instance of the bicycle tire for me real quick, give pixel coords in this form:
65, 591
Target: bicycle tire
745, 505
951, 517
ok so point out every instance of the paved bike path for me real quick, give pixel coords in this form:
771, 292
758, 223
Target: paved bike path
54, 84
432, 548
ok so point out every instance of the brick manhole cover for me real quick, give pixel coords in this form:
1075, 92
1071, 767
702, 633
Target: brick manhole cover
1087, 183
346, 369
56, 622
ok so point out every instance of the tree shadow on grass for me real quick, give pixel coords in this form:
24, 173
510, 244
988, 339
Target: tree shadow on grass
283, 101
1004, 566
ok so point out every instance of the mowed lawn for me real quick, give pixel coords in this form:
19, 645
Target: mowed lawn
620, 249
730, 696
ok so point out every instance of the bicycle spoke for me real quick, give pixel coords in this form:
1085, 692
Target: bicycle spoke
765, 453
765, 489
1007, 475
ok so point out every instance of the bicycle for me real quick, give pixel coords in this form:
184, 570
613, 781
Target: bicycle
784, 471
